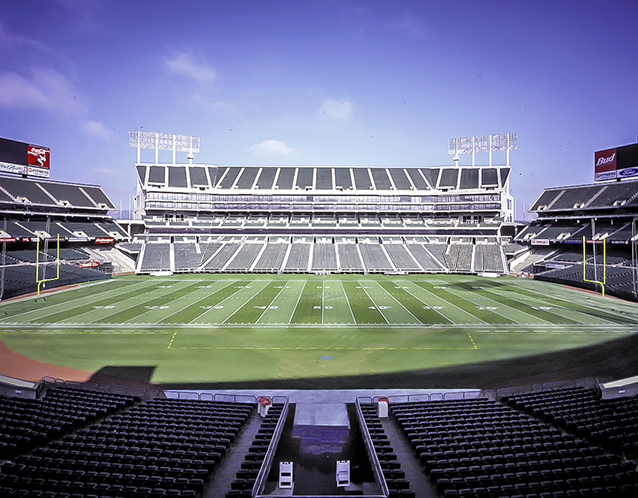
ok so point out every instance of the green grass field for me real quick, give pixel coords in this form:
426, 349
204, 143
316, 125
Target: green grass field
339, 331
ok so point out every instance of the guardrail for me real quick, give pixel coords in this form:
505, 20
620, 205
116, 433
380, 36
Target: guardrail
206, 396
372, 454
48, 381
587, 383
270, 453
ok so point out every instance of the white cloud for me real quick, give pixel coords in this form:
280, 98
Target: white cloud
97, 129
271, 148
44, 90
337, 109
185, 65
410, 24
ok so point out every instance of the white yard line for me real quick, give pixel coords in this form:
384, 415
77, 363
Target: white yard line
399, 302
373, 302
354, 320
271, 301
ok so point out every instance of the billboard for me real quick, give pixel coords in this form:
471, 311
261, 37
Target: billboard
24, 159
616, 163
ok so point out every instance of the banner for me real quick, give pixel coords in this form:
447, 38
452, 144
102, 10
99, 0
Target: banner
89, 264
619, 162
104, 240
540, 242
24, 159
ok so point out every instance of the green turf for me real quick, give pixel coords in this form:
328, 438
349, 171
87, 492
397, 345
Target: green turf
333, 331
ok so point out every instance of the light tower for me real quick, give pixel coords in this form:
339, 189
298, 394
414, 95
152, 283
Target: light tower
484, 143
163, 141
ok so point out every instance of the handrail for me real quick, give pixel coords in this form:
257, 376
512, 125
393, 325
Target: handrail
49, 381
372, 454
587, 383
264, 470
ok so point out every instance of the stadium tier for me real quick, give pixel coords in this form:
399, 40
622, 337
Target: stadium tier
91, 441
39, 216
380, 212
604, 216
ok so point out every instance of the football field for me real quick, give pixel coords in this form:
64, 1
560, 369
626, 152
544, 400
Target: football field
311, 331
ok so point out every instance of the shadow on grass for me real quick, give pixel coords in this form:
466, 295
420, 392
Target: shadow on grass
610, 360
128, 376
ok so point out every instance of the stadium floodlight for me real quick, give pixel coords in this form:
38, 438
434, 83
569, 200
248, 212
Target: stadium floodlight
483, 143
162, 141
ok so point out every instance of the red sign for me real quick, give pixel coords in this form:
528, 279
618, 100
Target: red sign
89, 264
8, 239
38, 156
605, 164
104, 240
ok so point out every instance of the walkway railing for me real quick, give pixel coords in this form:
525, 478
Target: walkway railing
48, 381
272, 448
372, 454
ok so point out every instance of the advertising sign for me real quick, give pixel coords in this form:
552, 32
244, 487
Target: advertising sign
24, 159
616, 163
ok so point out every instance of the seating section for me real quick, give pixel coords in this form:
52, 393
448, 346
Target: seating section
187, 256
324, 257
488, 258
459, 257
275, 253
374, 258
349, 258
28, 424
612, 424
484, 448
298, 258
156, 257
102, 444
20, 278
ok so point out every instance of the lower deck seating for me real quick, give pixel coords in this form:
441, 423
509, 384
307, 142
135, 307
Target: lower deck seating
160, 447
485, 448
334, 254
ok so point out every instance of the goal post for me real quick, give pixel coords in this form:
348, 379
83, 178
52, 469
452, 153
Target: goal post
604, 280
42, 280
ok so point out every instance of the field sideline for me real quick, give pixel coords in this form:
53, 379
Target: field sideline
311, 331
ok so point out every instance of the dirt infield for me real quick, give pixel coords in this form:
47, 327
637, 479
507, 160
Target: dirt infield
15, 365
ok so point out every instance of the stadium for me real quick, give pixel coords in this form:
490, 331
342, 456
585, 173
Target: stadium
317, 331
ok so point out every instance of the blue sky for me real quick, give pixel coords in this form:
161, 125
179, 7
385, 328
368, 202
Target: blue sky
320, 82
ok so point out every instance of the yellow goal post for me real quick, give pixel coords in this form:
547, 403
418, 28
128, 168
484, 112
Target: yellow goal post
39, 280
604, 281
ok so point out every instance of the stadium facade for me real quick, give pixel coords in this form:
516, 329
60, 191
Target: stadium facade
321, 219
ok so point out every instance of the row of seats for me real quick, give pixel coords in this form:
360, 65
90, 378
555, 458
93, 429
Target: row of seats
249, 256
26, 423
160, 447
611, 423
485, 448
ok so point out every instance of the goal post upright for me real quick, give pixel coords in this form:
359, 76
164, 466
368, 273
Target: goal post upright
604, 281
38, 280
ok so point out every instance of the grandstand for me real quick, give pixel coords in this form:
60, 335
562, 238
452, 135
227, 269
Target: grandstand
369, 220
599, 212
549, 440
48, 211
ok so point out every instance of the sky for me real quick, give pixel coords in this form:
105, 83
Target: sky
336, 83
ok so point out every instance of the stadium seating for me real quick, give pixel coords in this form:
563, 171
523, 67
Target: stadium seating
91, 443
612, 424
483, 448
